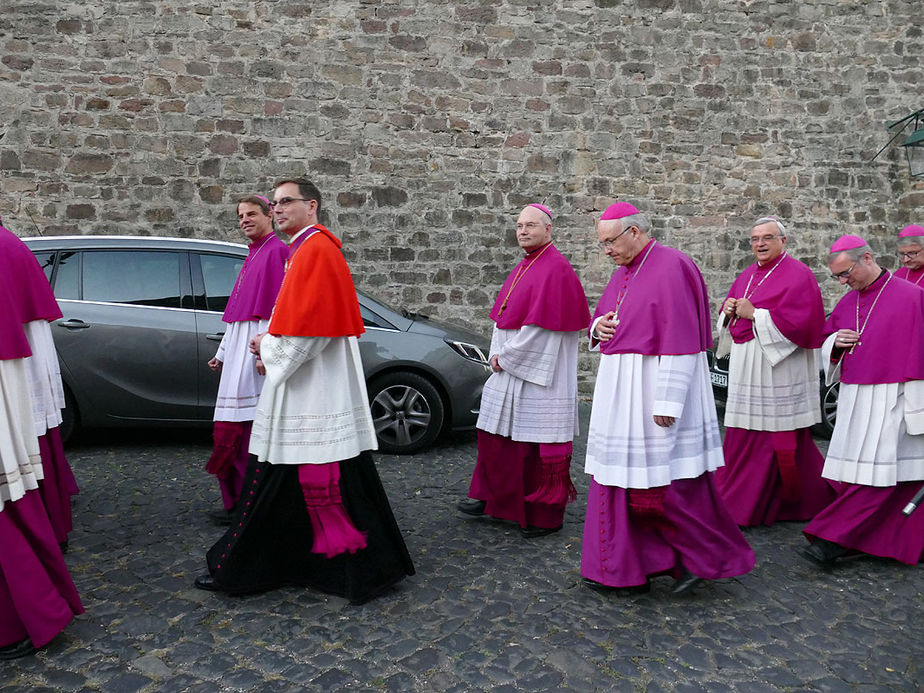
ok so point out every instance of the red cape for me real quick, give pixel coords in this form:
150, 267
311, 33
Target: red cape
317, 298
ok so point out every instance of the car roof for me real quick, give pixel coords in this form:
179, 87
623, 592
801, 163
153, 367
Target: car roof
128, 242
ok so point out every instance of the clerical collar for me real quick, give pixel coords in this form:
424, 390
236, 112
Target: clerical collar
307, 228
532, 253
873, 283
641, 255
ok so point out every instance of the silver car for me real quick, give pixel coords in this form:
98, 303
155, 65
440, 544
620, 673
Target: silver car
142, 316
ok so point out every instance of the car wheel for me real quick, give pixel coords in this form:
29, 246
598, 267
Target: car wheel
70, 417
828, 410
407, 412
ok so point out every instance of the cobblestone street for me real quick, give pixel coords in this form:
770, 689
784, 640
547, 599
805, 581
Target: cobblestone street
487, 610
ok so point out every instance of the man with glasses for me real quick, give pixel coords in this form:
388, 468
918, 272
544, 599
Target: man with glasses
774, 316
652, 507
528, 415
911, 253
314, 511
247, 315
875, 345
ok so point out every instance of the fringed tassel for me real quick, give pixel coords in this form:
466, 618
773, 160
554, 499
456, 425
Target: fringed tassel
334, 532
646, 505
555, 486
227, 437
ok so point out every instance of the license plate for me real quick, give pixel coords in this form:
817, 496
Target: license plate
719, 379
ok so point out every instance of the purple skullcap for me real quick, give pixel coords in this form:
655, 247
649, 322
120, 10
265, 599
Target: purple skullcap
541, 208
911, 230
847, 242
618, 210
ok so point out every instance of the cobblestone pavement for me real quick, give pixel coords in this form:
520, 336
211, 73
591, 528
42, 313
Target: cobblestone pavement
487, 610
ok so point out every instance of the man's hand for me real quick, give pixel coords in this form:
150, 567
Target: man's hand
261, 369
606, 327
664, 421
744, 309
495, 366
255, 343
214, 364
845, 339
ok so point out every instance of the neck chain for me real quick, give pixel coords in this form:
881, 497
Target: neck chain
620, 301
866, 319
747, 290
521, 272
917, 281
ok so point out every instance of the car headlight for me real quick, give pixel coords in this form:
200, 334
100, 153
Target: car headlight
470, 352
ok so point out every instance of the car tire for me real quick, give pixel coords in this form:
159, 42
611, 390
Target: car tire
829, 394
407, 412
70, 417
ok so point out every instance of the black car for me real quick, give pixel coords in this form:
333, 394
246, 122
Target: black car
718, 372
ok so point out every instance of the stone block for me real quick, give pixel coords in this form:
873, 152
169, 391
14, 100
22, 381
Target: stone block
389, 196
87, 163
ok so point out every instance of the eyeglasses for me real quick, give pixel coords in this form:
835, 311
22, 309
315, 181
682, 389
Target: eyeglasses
286, 201
608, 243
907, 255
845, 273
531, 225
764, 239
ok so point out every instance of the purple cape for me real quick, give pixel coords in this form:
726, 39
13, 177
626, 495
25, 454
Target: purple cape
891, 348
665, 309
548, 295
913, 277
259, 280
792, 296
13, 342
30, 293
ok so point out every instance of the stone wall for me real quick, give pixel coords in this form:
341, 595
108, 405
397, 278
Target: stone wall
428, 124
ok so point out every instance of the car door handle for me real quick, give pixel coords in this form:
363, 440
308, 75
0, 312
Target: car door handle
217, 337
73, 324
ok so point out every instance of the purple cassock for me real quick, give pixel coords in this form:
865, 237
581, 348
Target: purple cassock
252, 299
32, 300
913, 276
632, 534
775, 474
37, 596
890, 317
528, 481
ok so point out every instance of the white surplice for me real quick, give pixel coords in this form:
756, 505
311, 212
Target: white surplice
44, 376
240, 385
534, 398
314, 408
20, 461
878, 438
625, 447
772, 383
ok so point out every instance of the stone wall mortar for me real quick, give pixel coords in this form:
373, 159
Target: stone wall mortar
428, 125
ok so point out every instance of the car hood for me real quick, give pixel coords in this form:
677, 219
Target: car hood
437, 328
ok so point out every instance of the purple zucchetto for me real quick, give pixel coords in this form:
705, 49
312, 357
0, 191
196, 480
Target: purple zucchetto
911, 230
618, 210
847, 242
541, 208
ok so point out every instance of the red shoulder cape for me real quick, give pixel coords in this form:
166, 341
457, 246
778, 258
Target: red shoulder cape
317, 298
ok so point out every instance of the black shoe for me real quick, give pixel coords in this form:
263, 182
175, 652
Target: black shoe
686, 583
220, 517
23, 648
823, 553
533, 532
471, 506
618, 591
206, 582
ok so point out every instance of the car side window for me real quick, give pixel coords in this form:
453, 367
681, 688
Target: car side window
219, 273
138, 277
46, 260
67, 277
